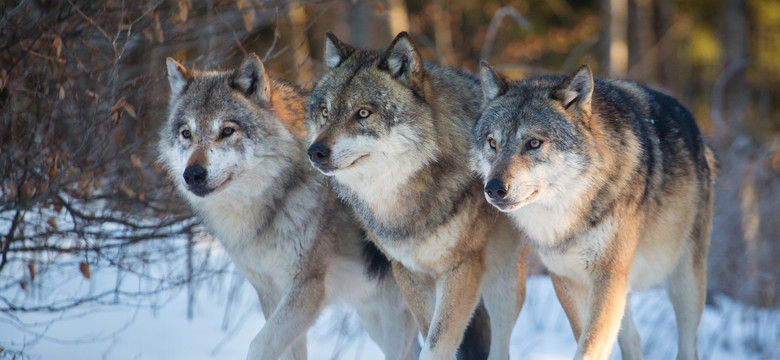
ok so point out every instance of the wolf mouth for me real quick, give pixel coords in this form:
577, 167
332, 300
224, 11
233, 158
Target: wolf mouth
508, 206
203, 191
361, 157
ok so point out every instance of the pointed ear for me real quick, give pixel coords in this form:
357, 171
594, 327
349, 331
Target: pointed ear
575, 93
336, 51
403, 62
494, 84
251, 79
178, 76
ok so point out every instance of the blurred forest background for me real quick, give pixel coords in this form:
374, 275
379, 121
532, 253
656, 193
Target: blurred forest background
83, 91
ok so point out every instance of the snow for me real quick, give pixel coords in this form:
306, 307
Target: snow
226, 316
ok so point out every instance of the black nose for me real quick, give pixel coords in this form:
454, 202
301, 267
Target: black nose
496, 189
318, 152
195, 175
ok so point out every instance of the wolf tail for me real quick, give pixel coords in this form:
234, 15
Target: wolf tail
476, 340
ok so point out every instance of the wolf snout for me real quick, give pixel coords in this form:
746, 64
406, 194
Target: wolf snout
195, 175
496, 189
318, 153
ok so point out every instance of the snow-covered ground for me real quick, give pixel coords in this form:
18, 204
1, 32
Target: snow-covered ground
218, 331
217, 314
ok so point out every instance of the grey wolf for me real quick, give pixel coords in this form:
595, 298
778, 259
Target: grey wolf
393, 132
612, 184
234, 144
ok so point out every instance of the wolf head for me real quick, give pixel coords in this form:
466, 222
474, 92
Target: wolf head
531, 141
224, 132
368, 108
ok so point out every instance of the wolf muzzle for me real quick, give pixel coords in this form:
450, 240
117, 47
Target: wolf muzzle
195, 177
319, 155
496, 190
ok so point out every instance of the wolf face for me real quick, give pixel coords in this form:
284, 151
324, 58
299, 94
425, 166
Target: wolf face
221, 133
368, 116
530, 143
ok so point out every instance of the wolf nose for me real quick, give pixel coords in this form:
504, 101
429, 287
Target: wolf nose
318, 152
496, 189
195, 175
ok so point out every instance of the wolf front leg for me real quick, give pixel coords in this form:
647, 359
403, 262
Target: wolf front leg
296, 312
418, 291
457, 295
390, 324
504, 293
607, 293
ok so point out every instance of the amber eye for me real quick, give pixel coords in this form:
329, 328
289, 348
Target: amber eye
534, 144
227, 132
491, 142
324, 112
186, 134
363, 113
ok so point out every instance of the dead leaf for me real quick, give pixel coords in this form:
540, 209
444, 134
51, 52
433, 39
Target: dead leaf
53, 223
380, 8
240, 4
141, 196
158, 33
130, 110
84, 269
135, 162
117, 110
249, 17
184, 9
53, 171
3, 79
61, 94
23, 284
31, 268
57, 46
28, 190
126, 190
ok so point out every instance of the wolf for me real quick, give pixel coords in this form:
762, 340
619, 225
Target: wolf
234, 144
612, 184
393, 132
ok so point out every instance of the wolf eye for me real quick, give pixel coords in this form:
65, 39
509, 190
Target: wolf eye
533, 144
363, 113
491, 142
227, 132
186, 134
324, 112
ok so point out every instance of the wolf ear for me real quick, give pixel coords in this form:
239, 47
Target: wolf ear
178, 76
494, 84
576, 91
252, 79
336, 51
403, 62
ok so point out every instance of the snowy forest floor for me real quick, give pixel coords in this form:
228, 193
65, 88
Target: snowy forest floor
225, 316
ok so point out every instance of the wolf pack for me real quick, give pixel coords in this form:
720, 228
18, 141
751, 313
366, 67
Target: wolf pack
415, 194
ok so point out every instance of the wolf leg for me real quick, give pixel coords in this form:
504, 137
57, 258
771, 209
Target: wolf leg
628, 337
457, 294
418, 291
572, 297
268, 301
296, 312
686, 287
390, 324
606, 303
504, 293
